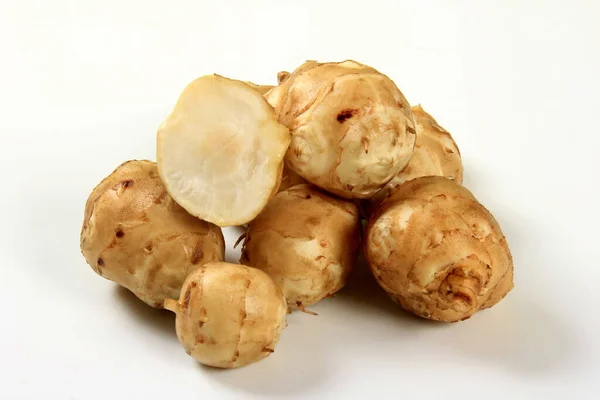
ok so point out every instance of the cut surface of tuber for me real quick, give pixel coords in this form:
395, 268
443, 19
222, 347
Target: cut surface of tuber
220, 151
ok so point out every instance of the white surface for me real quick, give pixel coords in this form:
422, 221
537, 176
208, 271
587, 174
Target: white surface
84, 85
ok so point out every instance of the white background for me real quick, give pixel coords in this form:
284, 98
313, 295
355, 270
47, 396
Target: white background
84, 85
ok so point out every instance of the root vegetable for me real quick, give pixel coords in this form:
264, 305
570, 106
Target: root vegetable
435, 153
352, 129
437, 251
229, 315
136, 235
307, 241
220, 152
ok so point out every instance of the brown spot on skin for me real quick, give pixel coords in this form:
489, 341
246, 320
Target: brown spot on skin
100, 262
235, 356
201, 324
411, 130
449, 151
268, 350
148, 248
197, 254
312, 221
350, 187
346, 114
365, 143
186, 298
323, 243
120, 234
308, 197
319, 257
199, 339
120, 187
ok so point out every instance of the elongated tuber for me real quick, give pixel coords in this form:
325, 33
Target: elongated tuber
352, 129
220, 152
136, 235
437, 251
307, 241
229, 315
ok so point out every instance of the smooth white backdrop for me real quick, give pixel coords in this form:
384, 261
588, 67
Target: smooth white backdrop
84, 85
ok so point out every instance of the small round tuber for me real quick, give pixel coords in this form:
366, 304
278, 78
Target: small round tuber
352, 129
437, 251
229, 315
435, 153
307, 241
220, 151
136, 235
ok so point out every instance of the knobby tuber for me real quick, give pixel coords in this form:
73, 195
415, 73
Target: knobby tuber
136, 235
229, 315
307, 241
437, 251
352, 129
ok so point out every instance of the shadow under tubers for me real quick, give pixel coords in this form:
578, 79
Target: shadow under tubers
298, 366
162, 321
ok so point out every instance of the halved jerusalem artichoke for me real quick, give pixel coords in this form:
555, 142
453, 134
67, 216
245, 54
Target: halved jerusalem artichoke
229, 315
437, 251
352, 129
135, 234
307, 240
220, 151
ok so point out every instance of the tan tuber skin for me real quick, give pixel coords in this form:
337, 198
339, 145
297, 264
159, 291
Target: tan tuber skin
435, 153
352, 129
135, 234
288, 178
307, 240
282, 76
437, 251
262, 89
229, 315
